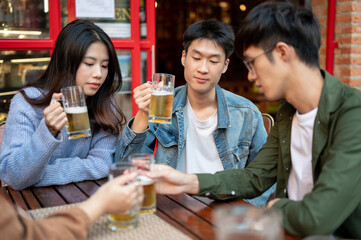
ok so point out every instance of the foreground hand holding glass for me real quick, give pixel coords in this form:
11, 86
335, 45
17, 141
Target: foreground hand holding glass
161, 102
76, 110
145, 162
247, 222
128, 219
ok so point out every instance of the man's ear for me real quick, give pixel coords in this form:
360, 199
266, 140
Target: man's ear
183, 58
225, 67
284, 51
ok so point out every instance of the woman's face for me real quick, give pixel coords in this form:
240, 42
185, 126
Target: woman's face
93, 69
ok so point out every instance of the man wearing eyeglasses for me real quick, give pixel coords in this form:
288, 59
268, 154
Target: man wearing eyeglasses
314, 150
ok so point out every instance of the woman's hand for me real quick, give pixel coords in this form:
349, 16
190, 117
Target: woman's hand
119, 196
114, 196
55, 117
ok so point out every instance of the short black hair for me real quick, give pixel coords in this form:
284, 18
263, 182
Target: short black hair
272, 22
219, 32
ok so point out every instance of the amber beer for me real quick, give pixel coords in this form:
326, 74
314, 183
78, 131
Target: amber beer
122, 220
74, 104
161, 103
78, 122
149, 202
127, 219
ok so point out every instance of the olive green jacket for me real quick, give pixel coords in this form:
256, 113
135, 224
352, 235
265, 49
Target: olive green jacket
334, 205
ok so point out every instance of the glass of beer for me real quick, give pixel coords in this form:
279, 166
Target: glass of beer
247, 222
145, 162
161, 102
128, 219
76, 111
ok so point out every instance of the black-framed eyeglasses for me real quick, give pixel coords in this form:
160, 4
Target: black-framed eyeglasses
248, 62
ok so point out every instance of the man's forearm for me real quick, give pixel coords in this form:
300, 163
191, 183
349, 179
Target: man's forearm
140, 122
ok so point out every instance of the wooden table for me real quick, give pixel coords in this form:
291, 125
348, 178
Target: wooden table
190, 214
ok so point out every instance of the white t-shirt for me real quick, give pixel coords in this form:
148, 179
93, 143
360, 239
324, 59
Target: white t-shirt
200, 154
301, 179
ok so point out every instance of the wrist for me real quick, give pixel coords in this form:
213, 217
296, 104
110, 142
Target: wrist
192, 185
92, 208
140, 122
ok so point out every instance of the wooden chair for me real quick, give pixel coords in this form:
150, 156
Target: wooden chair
268, 122
2, 130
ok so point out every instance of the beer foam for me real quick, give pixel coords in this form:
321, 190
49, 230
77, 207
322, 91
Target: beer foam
144, 180
161, 93
75, 110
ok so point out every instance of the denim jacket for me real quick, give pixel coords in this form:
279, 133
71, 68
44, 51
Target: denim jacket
239, 135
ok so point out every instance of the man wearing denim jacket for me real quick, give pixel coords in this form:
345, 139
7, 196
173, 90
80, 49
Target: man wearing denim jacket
212, 129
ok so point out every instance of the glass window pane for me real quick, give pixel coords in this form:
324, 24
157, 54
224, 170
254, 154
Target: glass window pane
143, 19
124, 59
119, 25
24, 19
64, 12
16, 69
124, 96
143, 66
19, 67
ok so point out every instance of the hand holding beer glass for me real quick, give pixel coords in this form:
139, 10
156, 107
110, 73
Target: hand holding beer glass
74, 105
145, 162
161, 102
128, 219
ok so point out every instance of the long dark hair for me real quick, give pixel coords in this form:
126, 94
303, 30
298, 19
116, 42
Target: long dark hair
70, 48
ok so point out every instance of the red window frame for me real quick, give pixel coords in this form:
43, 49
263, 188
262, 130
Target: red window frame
134, 44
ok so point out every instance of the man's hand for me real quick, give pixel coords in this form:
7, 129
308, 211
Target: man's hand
142, 95
270, 203
171, 181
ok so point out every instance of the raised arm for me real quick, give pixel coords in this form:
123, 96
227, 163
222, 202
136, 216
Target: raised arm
141, 95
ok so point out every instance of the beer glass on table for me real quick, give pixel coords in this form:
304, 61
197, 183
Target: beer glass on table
74, 105
247, 222
145, 162
128, 219
161, 102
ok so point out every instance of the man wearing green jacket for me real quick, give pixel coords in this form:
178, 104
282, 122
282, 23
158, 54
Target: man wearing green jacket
314, 150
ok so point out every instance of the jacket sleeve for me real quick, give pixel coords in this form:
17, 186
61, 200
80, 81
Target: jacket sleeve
336, 193
259, 137
246, 183
69, 224
132, 142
